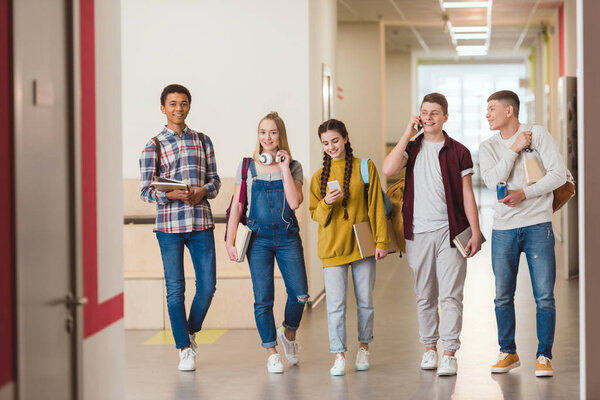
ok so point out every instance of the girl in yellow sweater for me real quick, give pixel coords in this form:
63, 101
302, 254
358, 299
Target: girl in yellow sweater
336, 210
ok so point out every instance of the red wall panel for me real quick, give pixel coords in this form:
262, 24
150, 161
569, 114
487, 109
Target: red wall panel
6, 200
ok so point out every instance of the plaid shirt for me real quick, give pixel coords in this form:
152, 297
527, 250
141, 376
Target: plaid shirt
182, 158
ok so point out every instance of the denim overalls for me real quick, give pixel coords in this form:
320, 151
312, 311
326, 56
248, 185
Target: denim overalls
275, 235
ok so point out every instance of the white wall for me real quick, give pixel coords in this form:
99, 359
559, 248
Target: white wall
398, 94
108, 143
570, 39
359, 74
104, 364
239, 60
322, 43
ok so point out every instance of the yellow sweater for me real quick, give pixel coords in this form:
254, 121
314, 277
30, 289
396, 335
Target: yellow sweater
337, 244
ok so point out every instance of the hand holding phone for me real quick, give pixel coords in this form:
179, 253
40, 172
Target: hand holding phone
414, 126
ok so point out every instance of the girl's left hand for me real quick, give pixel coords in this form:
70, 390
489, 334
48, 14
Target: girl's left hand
380, 253
285, 159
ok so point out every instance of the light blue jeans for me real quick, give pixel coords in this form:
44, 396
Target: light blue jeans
537, 242
336, 288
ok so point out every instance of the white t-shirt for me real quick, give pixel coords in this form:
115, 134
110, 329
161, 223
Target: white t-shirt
430, 211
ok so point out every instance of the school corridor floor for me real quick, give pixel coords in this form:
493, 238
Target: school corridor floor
234, 365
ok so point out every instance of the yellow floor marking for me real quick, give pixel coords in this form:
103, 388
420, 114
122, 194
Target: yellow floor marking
206, 336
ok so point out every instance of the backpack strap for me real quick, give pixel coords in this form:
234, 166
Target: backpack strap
364, 173
158, 155
203, 141
243, 187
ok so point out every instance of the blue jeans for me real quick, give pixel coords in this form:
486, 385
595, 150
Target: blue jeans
266, 246
537, 242
201, 245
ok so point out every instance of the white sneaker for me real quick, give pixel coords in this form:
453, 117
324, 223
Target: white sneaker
187, 359
290, 347
193, 343
430, 360
339, 366
448, 366
362, 359
274, 364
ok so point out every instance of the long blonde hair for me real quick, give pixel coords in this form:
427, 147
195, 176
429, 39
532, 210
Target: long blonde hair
283, 142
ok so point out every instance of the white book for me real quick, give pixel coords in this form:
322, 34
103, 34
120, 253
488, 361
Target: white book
166, 184
242, 239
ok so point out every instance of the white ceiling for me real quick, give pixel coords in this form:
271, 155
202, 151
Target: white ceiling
408, 20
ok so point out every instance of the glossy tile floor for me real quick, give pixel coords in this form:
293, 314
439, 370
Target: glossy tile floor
234, 367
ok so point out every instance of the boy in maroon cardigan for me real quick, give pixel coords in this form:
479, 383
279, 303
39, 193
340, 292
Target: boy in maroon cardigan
438, 205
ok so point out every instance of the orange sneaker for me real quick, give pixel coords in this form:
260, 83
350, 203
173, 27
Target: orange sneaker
543, 367
506, 362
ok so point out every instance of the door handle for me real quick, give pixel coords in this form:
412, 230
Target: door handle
72, 301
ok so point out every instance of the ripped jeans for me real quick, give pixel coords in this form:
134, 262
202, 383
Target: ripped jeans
537, 242
284, 245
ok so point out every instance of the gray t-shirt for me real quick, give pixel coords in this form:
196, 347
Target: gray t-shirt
295, 169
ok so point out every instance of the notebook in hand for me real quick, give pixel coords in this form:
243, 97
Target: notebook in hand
242, 239
461, 240
166, 184
364, 238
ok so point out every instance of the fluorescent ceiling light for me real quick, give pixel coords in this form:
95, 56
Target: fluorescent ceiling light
472, 54
465, 4
469, 29
468, 36
464, 49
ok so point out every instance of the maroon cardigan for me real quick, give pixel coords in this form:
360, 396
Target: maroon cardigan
454, 158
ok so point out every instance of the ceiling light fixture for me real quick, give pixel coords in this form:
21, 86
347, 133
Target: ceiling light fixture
470, 36
465, 4
464, 49
469, 29
472, 53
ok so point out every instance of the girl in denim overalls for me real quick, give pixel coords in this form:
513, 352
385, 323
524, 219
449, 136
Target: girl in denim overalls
274, 192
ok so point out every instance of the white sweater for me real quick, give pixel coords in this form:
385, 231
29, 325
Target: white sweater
497, 162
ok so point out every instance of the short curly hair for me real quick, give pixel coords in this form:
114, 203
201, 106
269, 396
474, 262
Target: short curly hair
174, 88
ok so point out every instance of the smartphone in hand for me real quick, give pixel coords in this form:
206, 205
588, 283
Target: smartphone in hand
419, 126
334, 185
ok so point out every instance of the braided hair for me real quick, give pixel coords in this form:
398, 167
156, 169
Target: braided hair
338, 126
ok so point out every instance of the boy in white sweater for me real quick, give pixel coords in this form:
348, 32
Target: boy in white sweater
522, 223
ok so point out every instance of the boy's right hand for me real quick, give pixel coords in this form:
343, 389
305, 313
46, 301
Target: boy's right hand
415, 120
179, 194
522, 141
332, 196
232, 252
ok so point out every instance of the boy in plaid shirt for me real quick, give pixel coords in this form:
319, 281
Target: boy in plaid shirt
183, 216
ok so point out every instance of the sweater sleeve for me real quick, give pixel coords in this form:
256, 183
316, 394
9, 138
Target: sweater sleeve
556, 174
319, 210
376, 209
494, 171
